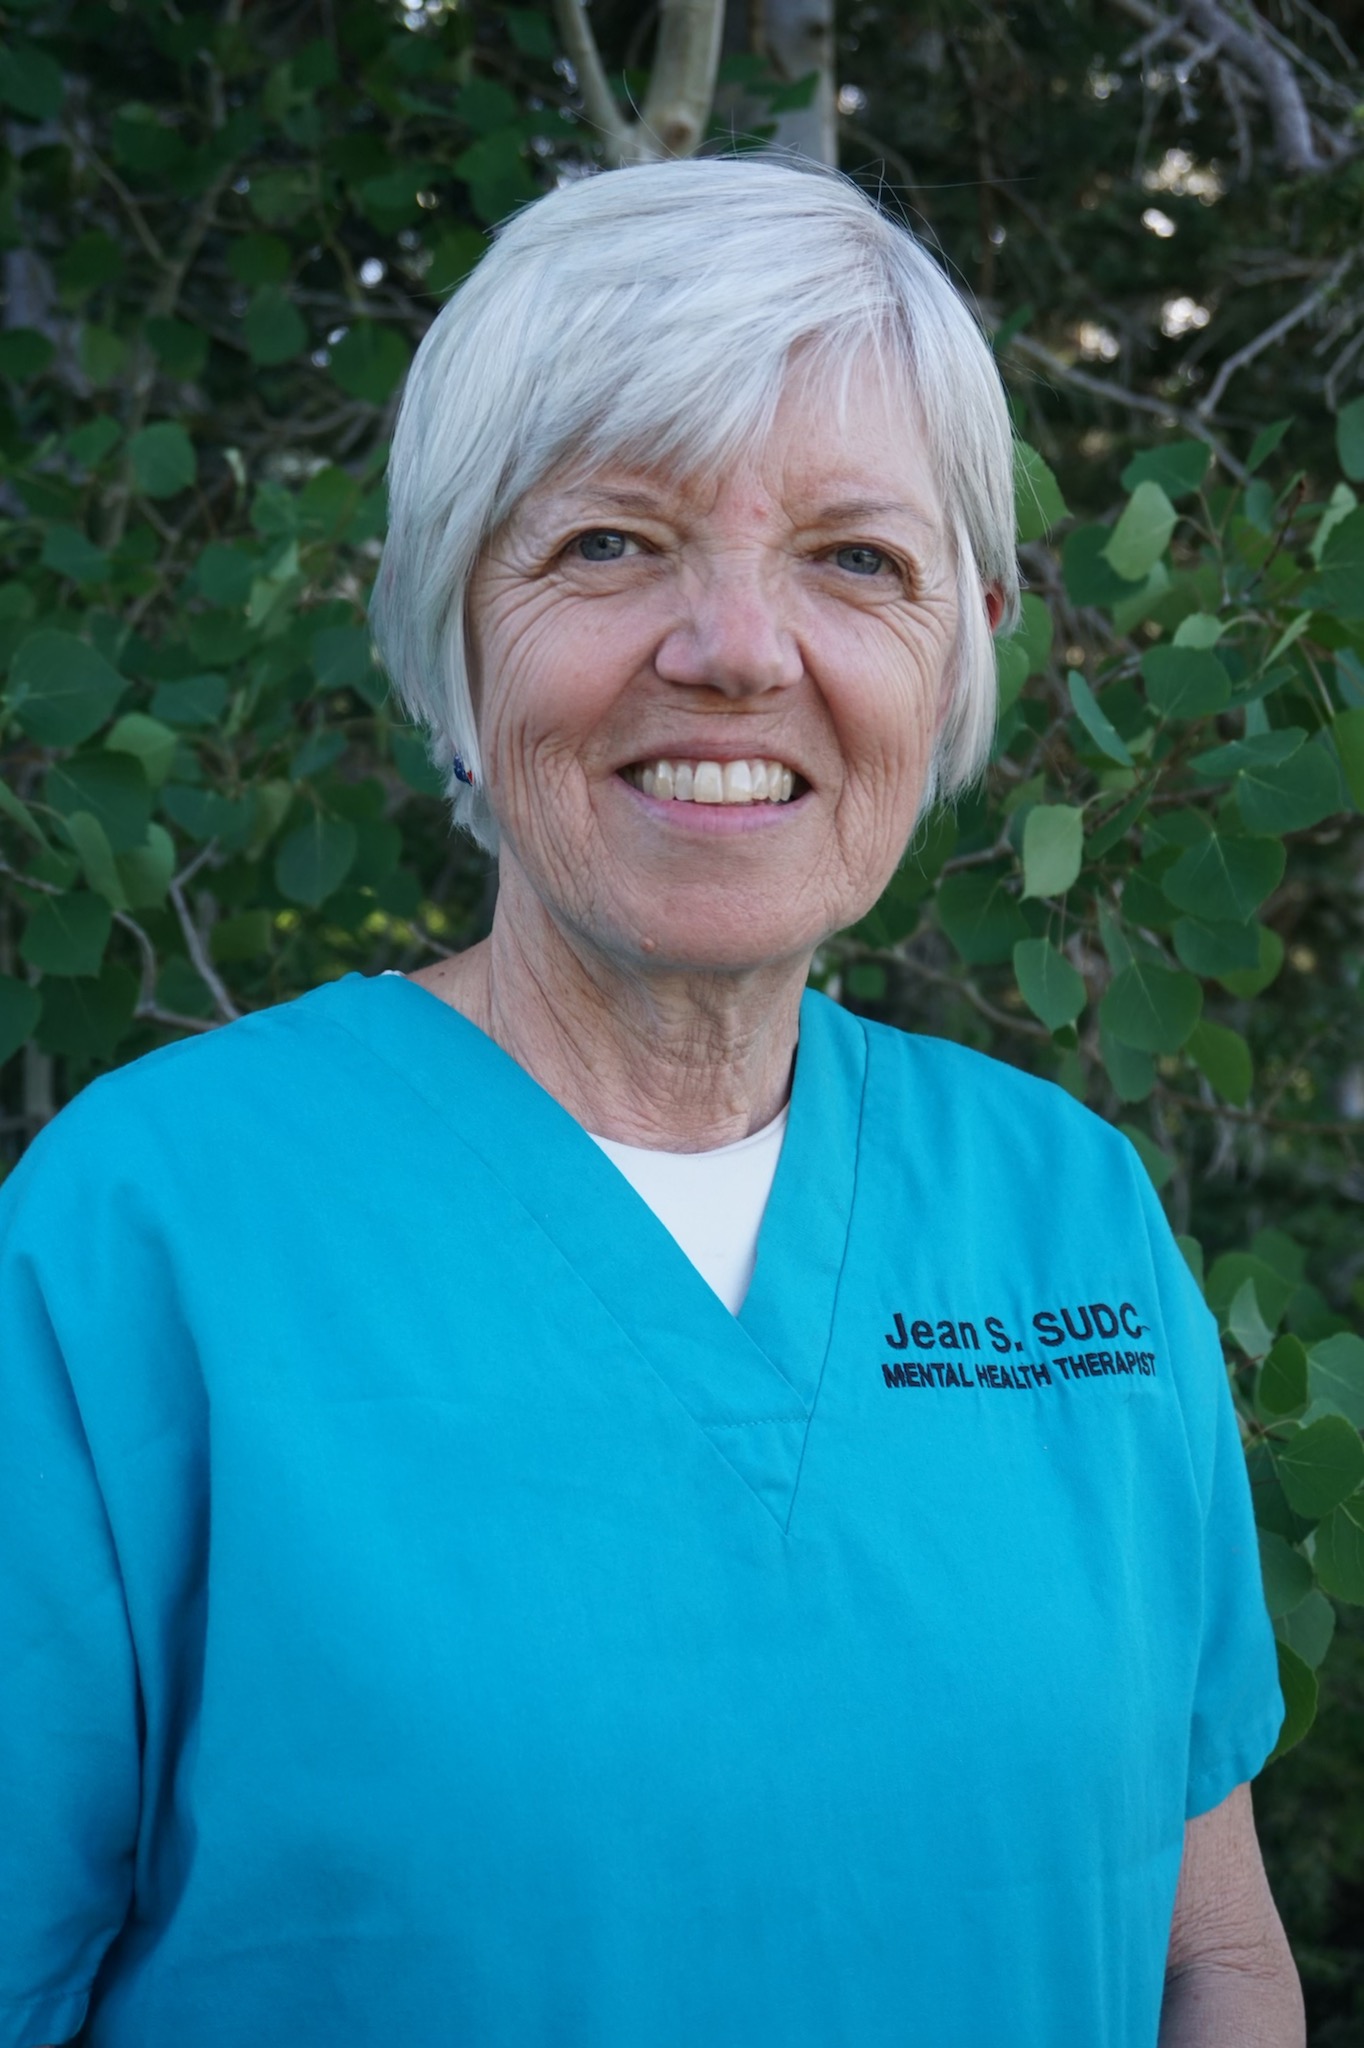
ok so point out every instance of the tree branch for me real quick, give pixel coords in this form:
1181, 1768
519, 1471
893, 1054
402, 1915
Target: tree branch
1284, 325
1272, 72
198, 952
681, 86
1118, 394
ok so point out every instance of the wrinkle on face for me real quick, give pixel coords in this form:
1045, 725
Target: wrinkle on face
731, 614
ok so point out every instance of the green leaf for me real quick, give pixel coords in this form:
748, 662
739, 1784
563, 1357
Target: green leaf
1298, 1684
1132, 1073
1038, 504
1286, 1573
1291, 796
1350, 438
91, 260
194, 701
1142, 534
183, 349
20, 1007
1053, 849
91, 842
280, 197
1185, 682
1252, 981
1116, 826
30, 82
225, 573
1273, 1291
112, 787
1104, 734
1159, 1165
163, 460
1347, 730
205, 813
1259, 751
86, 1019
1152, 1009
1199, 629
532, 33
72, 554
1245, 1324
453, 255
258, 259
146, 872
1321, 1466
18, 812
1179, 468
60, 689
314, 859
1339, 586
1215, 949
1281, 1386
1224, 1057
341, 657
24, 353
1335, 1373
1049, 985
1224, 879
1308, 1629
273, 327
1090, 577
980, 915
147, 740
370, 361
67, 934
1265, 442
180, 987
1338, 1553
247, 936
496, 175
102, 353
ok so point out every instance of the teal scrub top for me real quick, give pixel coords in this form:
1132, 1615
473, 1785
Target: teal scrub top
427, 1615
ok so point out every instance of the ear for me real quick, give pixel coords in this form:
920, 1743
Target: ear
994, 605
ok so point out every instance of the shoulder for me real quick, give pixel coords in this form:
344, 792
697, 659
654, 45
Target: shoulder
958, 1092
184, 1099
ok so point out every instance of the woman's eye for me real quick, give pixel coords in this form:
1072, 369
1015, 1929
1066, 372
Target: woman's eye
604, 545
861, 561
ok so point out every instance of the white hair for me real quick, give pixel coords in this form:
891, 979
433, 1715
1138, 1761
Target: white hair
652, 314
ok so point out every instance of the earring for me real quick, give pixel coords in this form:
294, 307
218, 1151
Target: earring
463, 774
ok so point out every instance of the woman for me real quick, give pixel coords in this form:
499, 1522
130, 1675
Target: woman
469, 1585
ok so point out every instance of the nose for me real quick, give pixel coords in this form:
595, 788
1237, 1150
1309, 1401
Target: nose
731, 637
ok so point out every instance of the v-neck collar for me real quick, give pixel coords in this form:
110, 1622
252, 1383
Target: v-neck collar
748, 1382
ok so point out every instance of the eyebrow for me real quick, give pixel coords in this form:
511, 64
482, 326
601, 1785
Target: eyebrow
841, 509
837, 511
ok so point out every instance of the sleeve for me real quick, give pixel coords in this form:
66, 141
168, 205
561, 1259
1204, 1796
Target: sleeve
69, 1726
1237, 1705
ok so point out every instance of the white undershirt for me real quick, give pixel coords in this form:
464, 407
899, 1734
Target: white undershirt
712, 1202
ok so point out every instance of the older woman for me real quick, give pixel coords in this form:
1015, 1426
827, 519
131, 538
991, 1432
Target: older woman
588, 1496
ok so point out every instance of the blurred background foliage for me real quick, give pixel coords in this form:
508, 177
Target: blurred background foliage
224, 230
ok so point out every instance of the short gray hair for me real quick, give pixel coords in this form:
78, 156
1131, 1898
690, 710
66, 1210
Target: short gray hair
652, 313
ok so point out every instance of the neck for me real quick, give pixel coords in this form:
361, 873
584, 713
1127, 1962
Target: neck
678, 1059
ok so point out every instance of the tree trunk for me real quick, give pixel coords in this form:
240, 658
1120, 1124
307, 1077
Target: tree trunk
798, 38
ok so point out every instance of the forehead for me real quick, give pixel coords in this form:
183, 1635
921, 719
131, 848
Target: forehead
845, 437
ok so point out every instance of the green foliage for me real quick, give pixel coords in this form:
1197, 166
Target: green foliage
207, 802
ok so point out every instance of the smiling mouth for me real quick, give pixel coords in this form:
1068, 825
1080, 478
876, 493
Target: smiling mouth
716, 782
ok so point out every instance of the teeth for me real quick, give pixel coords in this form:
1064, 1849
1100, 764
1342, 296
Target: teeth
715, 782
